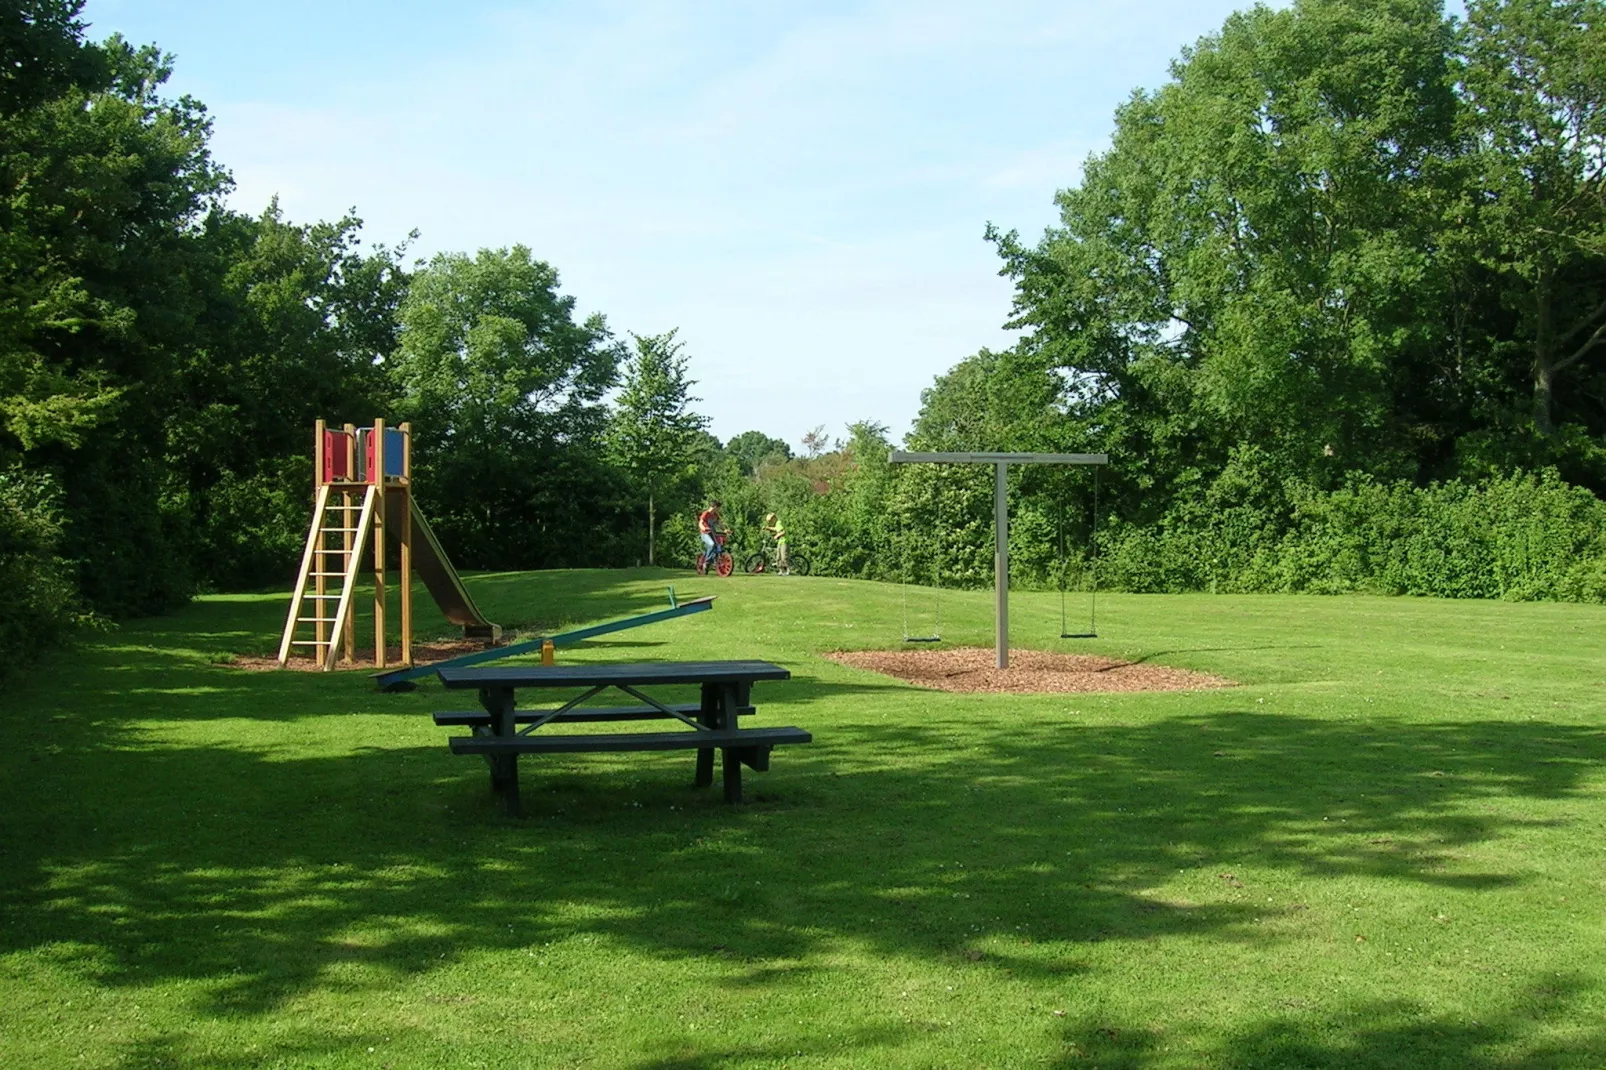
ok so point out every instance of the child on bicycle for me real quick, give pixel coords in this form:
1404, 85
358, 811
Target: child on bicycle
709, 525
772, 526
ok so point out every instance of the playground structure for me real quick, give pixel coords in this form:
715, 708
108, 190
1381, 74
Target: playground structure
364, 480
362, 509
1000, 463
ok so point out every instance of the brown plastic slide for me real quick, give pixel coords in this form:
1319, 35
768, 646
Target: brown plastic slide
432, 564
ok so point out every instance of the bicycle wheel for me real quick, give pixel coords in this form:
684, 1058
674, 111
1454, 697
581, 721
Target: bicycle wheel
797, 564
755, 563
724, 564
702, 565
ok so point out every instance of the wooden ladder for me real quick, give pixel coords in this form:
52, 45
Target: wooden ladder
335, 541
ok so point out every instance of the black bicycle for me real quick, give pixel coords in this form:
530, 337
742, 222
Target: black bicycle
769, 560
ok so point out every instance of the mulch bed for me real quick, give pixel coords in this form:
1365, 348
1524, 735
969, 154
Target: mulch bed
973, 669
423, 654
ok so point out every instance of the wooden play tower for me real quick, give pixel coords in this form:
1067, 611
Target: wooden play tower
364, 506
355, 469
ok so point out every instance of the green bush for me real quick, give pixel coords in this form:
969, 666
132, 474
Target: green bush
38, 601
1524, 536
250, 529
1521, 537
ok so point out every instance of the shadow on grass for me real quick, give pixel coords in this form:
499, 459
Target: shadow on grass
1380, 1035
114, 686
561, 599
249, 869
313, 1046
260, 873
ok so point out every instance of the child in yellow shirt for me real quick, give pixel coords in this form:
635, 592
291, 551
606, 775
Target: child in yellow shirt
772, 526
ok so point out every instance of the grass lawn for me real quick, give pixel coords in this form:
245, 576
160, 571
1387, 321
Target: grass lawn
1387, 847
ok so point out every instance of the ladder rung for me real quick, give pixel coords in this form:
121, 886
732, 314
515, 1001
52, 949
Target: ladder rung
326, 574
315, 620
337, 531
323, 597
309, 642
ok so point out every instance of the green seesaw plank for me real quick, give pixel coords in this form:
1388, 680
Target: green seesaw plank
402, 679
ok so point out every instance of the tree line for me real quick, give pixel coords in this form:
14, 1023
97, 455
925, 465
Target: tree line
1333, 300
163, 358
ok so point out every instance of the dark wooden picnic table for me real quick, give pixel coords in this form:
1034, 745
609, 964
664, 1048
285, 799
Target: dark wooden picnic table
502, 731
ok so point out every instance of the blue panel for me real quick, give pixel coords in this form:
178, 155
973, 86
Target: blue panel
395, 452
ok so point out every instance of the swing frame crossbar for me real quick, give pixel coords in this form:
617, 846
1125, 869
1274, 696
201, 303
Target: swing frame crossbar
1000, 463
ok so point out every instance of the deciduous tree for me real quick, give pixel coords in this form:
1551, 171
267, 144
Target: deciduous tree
655, 434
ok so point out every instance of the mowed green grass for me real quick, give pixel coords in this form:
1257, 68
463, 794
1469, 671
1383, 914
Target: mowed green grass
1387, 847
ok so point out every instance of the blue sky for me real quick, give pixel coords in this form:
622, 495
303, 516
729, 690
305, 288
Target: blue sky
800, 189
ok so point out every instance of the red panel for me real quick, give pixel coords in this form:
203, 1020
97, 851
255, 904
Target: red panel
336, 462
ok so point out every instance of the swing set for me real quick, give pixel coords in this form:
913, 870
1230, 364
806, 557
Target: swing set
1001, 463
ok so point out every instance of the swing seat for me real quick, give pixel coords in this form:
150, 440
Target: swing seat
922, 638
1079, 635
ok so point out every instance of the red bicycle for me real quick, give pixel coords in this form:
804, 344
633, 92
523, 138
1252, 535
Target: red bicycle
719, 557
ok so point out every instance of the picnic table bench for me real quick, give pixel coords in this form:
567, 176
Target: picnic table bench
502, 731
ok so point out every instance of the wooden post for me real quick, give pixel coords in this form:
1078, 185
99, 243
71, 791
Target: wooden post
347, 538
321, 556
376, 476
407, 545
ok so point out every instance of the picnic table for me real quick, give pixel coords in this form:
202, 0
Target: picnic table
502, 731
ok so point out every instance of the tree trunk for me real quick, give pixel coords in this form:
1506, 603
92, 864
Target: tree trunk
1544, 396
651, 518
1544, 362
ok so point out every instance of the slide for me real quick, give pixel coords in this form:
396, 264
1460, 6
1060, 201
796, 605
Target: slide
435, 568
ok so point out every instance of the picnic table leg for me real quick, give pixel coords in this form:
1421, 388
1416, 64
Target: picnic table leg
733, 774
708, 715
732, 756
498, 702
510, 786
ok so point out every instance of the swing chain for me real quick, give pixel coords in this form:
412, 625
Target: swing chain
1093, 540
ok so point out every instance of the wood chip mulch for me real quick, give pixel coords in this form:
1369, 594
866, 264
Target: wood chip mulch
423, 654
973, 669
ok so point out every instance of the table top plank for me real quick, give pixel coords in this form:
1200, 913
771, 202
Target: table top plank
645, 673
